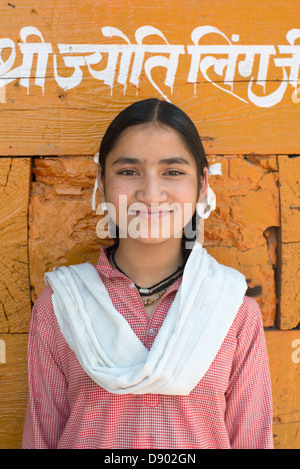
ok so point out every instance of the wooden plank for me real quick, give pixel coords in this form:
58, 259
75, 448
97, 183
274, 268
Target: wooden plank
13, 390
284, 357
62, 99
289, 178
15, 303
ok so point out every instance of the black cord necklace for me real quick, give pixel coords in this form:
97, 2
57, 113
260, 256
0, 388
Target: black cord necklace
145, 291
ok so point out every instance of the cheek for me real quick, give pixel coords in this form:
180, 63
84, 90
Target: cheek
187, 191
114, 188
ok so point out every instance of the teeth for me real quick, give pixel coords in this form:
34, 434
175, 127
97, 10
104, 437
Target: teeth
147, 213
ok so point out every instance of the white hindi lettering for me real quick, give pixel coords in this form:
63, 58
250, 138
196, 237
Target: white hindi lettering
23, 72
293, 61
230, 63
125, 62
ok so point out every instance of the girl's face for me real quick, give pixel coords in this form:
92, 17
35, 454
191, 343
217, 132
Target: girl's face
151, 183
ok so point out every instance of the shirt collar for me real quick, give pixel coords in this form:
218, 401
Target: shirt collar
104, 267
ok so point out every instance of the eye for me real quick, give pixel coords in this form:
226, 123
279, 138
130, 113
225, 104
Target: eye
127, 172
174, 172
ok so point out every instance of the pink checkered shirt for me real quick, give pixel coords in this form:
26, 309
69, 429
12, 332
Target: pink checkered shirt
231, 407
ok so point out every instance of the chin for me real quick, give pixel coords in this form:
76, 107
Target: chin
154, 233
154, 241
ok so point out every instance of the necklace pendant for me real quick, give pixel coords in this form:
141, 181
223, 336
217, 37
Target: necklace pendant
144, 290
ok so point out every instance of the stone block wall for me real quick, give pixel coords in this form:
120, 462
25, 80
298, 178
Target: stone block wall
46, 220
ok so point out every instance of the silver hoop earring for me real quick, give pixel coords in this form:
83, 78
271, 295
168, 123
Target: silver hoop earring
96, 159
207, 205
94, 194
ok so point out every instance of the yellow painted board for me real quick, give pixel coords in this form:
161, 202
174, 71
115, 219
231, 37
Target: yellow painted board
69, 67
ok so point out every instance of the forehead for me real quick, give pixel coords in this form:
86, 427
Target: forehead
150, 143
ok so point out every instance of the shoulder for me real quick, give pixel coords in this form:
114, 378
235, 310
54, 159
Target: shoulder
43, 306
249, 317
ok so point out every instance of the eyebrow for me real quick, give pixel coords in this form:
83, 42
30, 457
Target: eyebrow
174, 160
129, 160
126, 160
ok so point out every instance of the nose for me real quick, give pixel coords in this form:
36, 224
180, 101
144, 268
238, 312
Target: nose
151, 190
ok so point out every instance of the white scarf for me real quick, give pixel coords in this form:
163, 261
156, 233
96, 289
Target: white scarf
199, 318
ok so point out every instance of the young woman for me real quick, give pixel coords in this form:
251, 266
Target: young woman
158, 345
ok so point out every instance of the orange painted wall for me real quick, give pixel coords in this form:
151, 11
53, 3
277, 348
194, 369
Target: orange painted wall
56, 108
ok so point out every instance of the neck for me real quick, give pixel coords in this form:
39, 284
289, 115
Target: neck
148, 264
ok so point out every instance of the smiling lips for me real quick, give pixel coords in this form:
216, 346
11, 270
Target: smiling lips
150, 214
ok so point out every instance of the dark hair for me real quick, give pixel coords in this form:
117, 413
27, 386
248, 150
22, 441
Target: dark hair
160, 112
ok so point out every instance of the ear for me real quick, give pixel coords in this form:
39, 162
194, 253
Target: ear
100, 181
204, 185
